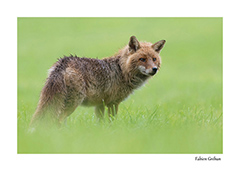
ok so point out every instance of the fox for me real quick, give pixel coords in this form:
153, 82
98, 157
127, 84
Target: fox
73, 81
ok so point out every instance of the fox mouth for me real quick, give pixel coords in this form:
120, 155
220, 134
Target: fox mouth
147, 72
152, 74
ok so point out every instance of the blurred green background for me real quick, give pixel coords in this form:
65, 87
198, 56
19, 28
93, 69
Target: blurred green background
178, 111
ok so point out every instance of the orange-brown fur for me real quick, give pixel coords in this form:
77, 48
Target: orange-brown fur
75, 81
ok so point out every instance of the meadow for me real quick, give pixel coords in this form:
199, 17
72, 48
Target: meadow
179, 110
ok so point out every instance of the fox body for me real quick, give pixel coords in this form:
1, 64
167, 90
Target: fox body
74, 81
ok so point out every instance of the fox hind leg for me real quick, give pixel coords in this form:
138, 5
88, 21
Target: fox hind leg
68, 110
71, 103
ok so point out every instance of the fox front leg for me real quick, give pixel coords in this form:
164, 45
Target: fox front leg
112, 111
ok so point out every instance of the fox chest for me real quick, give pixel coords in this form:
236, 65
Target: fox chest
117, 95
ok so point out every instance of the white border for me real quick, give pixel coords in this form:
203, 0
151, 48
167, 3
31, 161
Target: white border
13, 9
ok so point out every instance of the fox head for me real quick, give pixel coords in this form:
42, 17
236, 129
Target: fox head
143, 57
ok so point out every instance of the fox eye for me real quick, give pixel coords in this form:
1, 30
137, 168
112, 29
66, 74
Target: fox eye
142, 59
154, 59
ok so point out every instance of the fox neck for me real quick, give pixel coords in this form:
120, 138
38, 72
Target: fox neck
136, 81
131, 74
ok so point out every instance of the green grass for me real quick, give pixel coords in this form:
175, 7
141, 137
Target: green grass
178, 111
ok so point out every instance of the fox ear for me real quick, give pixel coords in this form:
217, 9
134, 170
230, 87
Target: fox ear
133, 44
159, 45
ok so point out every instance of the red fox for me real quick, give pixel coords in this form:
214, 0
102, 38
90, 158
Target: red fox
74, 81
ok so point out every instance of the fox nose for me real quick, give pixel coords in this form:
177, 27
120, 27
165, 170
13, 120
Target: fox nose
154, 69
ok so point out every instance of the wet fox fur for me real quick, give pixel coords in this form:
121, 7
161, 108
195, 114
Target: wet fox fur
74, 81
